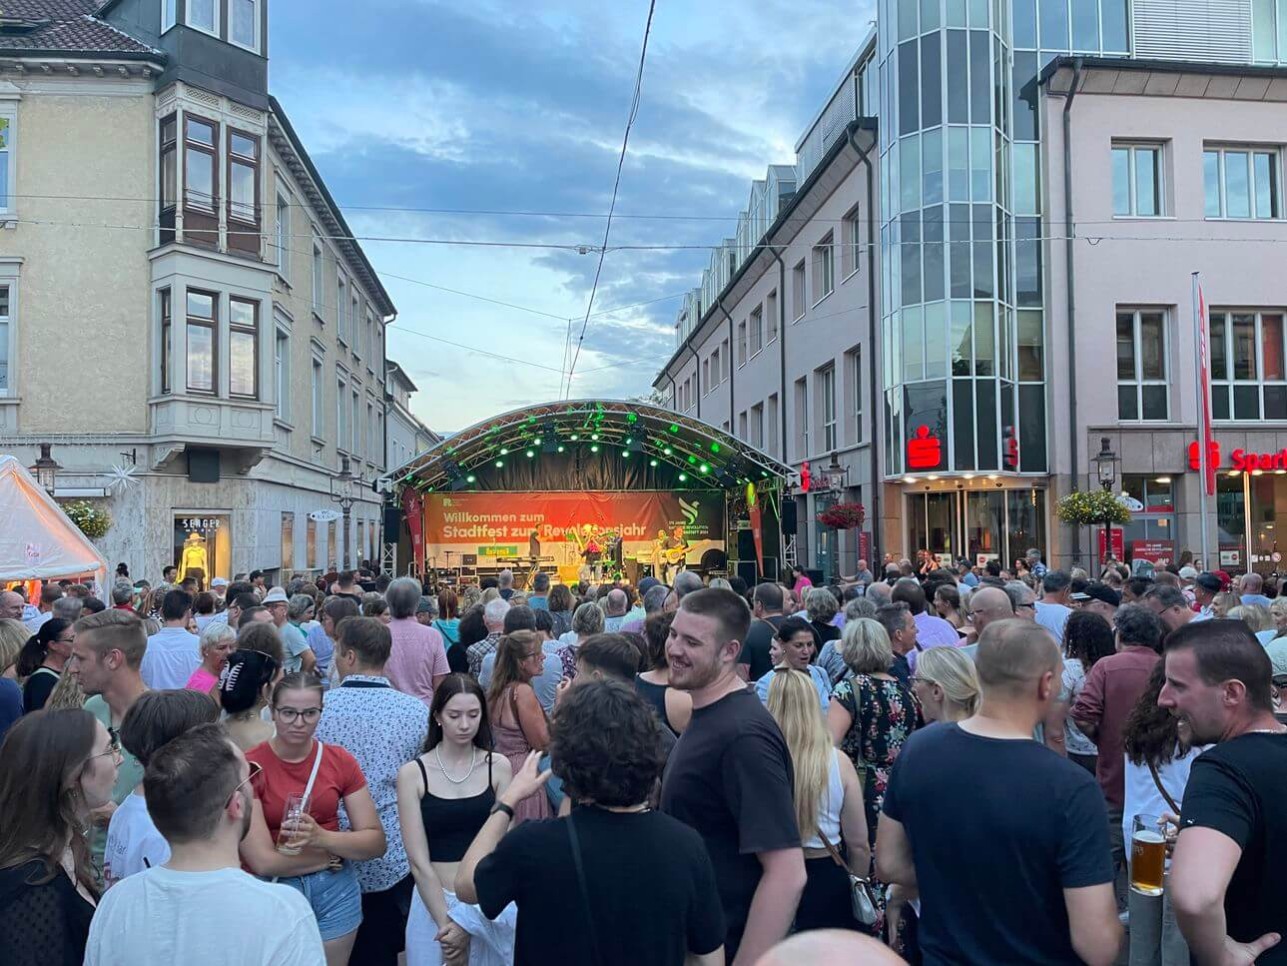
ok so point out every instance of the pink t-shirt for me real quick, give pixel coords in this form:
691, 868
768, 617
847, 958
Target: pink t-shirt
201, 680
418, 656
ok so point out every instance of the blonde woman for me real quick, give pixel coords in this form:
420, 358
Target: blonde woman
1223, 603
1277, 610
946, 684
828, 803
13, 634
1258, 618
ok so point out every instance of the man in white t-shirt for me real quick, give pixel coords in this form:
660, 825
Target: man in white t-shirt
200, 909
173, 652
1053, 609
155, 718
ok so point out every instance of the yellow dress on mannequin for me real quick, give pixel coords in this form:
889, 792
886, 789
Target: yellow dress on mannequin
192, 562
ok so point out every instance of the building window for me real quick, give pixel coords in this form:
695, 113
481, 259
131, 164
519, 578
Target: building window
201, 324
200, 163
706, 374
853, 365
167, 338
243, 348
801, 419
372, 447
355, 315
771, 311
850, 243
281, 373
319, 285
797, 291
1248, 377
741, 343
370, 342
283, 236
1137, 180
6, 303
773, 425
243, 23
1242, 182
1142, 389
204, 15
169, 174
824, 267
167, 14
243, 192
342, 310
757, 330
288, 542
343, 430
8, 123
741, 425
827, 389
316, 392
310, 548
757, 425
356, 425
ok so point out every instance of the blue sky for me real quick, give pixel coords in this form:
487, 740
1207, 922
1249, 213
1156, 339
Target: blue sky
508, 106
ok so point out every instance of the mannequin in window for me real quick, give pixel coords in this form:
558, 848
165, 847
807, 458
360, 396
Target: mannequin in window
192, 560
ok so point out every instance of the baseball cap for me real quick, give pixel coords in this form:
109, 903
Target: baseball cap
275, 596
1209, 582
218, 582
1098, 591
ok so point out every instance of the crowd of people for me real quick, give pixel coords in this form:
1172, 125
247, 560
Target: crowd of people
943, 764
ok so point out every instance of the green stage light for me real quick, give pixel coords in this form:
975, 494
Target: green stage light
500, 464
693, 460
683, 477
652, 462
625, 454
504, 451
632, 418
705, 468
537, 441
560, 448
471, 478
594, 448
629, 440
595, 437
714, 447
674, 428
531, 453
574, 437
668, 451
429, 489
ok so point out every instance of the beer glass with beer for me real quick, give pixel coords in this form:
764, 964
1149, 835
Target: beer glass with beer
296, 806
1148, 854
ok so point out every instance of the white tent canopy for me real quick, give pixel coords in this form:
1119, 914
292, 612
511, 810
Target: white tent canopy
38, 541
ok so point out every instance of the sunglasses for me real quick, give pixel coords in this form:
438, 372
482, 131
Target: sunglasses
253, 771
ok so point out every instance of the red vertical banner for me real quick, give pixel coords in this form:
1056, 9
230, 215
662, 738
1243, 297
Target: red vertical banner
413, 512
1204, 387
757, 524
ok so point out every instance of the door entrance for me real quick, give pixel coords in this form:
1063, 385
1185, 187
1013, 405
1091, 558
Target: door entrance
977, 524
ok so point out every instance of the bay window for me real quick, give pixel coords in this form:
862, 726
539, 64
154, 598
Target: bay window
1143, 391
199, 163
243, 23
243, 348
169, 170
168, 9
1242, 182
204, 15
1248, 375
243, 191
167, 338
202, 320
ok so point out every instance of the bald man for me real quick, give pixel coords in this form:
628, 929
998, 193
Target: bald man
11, 606
830, 947
1051, 900
987, 604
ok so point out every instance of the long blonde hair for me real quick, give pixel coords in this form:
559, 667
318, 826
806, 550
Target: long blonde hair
793, 702
954, 673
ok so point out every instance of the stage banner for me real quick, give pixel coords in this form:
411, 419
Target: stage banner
502, 524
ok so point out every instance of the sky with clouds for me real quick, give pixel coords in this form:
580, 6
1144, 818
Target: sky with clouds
520, 107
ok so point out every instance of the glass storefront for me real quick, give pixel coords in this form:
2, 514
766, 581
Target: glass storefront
202, 546
1251, 512
1151, 533
995, 524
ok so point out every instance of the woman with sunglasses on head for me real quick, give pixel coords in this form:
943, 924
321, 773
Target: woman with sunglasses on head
56, 767
444, 798
42, 660
246, 685
293, 762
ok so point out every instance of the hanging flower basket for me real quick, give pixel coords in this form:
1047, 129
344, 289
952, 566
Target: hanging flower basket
93, 521
843, 516
1091, 507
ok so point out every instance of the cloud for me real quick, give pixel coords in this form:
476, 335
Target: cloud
502, 107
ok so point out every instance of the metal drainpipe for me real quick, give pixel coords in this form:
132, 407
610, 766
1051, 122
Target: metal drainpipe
732, 369
872, 310
1069, 229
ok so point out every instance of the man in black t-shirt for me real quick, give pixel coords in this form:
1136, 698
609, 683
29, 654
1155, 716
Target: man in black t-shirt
730, 776
1007, 842
754, 661
1227, 882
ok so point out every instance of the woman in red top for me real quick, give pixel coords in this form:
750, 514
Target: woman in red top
287, 763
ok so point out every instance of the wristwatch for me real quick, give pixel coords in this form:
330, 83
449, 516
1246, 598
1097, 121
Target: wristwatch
502, 807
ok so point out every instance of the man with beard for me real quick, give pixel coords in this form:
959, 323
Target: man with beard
1227, 882
198, 793
730, 776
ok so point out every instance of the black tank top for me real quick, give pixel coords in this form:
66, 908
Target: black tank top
655, 695
451, 824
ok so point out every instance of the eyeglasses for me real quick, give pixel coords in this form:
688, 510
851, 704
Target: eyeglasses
253, 770
113, 748
289, 715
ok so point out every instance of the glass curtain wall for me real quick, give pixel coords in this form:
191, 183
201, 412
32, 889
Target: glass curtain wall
963, 316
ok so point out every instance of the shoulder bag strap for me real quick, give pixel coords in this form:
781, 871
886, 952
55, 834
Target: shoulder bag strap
317, 763
585, 892
1152, 770
832, 851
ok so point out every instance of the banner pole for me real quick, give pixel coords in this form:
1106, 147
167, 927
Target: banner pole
1204, 428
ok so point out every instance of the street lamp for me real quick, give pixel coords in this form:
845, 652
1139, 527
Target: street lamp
344, 492
46, 469
1106, 467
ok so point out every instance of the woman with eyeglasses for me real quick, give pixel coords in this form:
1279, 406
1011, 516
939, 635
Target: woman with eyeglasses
293, 762
42, 660
56, 767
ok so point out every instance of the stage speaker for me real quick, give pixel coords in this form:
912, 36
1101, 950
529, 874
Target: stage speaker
203, 466
771, 569
392, 523
788, 517
745, 545
746, 570
816, 577
632, 568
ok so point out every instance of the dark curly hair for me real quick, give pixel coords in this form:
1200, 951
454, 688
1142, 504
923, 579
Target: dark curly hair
605, 744
1150, 734
1088, 637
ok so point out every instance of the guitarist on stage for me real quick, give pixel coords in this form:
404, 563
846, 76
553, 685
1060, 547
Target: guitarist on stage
674, 551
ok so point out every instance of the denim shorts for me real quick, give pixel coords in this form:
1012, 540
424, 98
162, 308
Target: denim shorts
336, 899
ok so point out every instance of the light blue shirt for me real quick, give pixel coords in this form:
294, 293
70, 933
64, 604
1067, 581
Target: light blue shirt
829, 660
820, 682
539, 602
171, 657
545, 684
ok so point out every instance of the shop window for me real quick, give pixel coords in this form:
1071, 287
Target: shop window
202, 547
1231, 522
1248, 373
1143, 392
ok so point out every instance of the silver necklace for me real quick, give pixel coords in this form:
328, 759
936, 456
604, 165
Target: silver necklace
473, 760
1265, 731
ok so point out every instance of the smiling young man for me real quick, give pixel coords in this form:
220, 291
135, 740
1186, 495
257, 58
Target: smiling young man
730, 776
1227, 882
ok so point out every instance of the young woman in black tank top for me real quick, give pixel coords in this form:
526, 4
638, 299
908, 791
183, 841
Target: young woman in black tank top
444, 798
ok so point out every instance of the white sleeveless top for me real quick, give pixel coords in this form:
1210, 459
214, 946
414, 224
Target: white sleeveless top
829, 806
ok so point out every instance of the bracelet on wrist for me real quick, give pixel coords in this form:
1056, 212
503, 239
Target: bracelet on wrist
502, 807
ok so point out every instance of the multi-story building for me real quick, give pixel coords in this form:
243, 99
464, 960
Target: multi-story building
1050, 174
187, 319
407, 435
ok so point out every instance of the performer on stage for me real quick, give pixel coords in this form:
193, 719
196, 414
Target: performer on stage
674, 549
